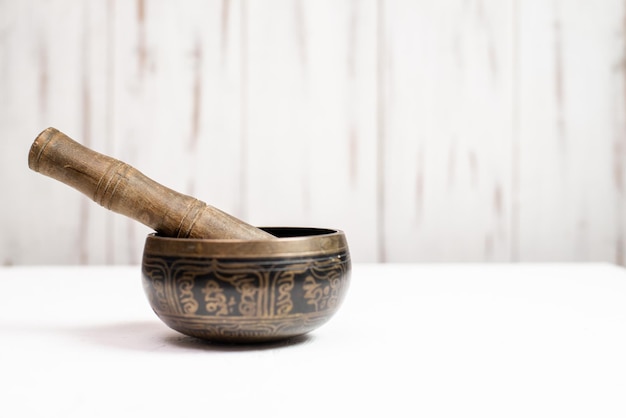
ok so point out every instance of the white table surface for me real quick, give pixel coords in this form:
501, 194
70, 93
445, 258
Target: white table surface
465, 340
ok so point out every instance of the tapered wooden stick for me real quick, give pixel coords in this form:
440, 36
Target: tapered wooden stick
123, 189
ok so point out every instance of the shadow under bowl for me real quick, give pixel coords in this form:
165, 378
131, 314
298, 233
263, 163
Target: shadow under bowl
238, 291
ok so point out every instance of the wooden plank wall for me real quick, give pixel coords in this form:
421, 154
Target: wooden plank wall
430, 131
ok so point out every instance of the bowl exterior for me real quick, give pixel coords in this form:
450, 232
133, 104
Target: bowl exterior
245, 298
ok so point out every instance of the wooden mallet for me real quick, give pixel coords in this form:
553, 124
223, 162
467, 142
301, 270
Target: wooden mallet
123, 189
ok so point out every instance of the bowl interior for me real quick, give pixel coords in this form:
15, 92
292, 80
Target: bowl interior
290, 232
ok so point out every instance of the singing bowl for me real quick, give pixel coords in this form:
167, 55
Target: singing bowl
246, 291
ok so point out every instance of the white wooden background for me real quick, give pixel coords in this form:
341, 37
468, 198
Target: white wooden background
432, 130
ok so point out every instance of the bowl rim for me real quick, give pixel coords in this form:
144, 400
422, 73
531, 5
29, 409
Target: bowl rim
319, 241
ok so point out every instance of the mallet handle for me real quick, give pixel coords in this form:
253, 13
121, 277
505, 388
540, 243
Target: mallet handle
123, 189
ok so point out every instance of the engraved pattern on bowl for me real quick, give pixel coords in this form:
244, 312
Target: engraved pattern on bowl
238, 291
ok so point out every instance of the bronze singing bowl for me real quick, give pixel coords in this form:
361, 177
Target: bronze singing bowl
228, 290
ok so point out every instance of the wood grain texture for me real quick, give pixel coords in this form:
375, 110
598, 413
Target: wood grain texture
618, 103
569, 53
428, 131
446, 92
51, 72
311, 116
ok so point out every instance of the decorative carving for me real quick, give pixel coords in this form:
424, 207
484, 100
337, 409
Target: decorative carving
285, 284
187, 301
155, 287
250, 295
216, 301
260, 298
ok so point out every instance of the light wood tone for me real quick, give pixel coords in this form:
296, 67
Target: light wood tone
426, 130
